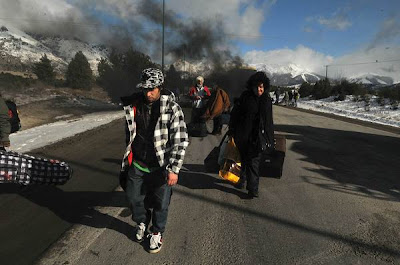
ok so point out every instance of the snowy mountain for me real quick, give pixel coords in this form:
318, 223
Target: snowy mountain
19, 50
291, 74
199, 67
372, 79
287, 75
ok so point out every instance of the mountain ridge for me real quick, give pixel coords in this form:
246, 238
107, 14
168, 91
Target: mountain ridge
20, 50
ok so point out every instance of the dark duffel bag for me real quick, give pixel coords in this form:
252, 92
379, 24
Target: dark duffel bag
26, 169
198, 129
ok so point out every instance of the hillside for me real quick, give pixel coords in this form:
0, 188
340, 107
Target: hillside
41, 104
19, 50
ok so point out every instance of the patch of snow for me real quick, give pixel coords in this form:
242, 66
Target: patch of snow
33, 138
63, 116
354, 109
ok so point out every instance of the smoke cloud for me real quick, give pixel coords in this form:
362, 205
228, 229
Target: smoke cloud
389, 30
193, 30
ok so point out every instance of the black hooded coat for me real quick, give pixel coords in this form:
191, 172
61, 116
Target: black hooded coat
254, 128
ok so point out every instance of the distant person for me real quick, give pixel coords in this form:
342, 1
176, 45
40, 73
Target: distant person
253, 129
286, 98
154, 155
5, 126
198, 94
296, 97
177, 93
277, 95
290, 93
217, 105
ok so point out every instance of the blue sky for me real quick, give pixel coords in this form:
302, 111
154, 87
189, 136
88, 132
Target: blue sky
315, 24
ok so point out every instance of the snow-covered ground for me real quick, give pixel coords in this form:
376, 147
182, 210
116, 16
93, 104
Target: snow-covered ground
354, 109
30, 139
36, 137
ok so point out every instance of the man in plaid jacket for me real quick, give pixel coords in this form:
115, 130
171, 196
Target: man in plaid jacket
158, 138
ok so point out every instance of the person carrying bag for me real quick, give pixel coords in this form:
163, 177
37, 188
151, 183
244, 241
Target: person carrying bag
252, 129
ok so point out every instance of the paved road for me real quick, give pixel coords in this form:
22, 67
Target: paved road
337, 203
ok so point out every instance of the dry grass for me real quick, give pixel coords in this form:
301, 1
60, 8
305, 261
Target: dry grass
41, 104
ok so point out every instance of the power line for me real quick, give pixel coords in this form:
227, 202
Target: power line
377, 61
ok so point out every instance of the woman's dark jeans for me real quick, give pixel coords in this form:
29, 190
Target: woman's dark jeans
149, 197
250, 173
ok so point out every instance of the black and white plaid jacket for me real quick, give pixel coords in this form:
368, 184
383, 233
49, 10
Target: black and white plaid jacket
25, 169
170, 133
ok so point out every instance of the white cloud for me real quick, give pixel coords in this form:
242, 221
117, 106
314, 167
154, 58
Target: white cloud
29, 15
338, 20
302, 56
381, 60
389, 30
308, 29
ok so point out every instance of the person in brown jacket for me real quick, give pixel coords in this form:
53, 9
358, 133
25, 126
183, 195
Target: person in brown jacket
5, 126
219, 103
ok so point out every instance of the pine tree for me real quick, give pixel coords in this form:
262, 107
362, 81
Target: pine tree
43, 70
104, 69
120, 74
79, 74
305, 89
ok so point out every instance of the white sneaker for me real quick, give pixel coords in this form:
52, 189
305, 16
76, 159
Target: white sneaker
155, 242
140, 229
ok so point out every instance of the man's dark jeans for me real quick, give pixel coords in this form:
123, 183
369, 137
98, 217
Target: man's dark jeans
146, 191
196, 114
217, 124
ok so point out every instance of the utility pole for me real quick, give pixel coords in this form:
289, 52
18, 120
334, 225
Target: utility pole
326, 71
163, 29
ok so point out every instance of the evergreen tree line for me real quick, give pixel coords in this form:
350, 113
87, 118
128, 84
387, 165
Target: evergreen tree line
78, 75
120, 74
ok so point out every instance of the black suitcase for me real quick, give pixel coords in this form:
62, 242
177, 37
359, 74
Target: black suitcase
198, 129
26, 169
271, 164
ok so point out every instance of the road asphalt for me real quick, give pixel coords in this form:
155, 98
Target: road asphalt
336, 203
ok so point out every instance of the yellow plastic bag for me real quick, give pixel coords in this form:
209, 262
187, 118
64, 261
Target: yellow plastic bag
232, 165
231, 151
230, 171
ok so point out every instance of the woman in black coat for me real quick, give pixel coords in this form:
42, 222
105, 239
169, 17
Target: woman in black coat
254, 129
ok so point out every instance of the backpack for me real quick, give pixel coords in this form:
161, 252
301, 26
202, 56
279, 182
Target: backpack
13, 114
